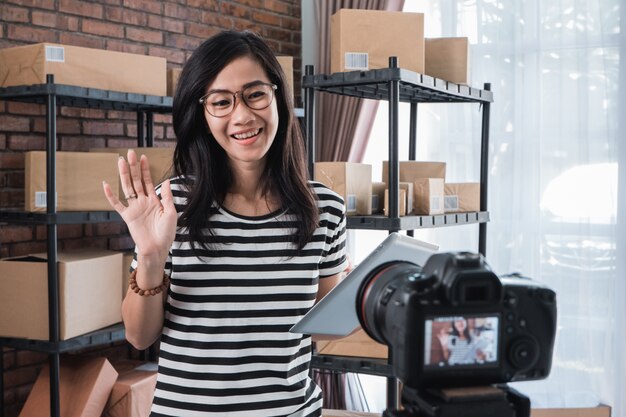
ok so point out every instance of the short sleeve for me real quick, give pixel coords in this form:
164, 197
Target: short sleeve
334, 259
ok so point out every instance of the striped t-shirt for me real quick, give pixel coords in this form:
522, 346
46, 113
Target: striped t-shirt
226, 349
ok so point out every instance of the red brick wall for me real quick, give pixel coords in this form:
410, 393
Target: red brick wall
170, 29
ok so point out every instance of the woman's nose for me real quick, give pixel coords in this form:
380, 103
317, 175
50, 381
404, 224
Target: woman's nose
242, 114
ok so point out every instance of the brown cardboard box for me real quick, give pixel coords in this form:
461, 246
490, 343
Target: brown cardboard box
365, 39
448, 59
84, 387
89, 294
428, 196
286, 62
358, 344
133, 391
461, 197
127, 259
412, 170
160, 159
378, 197
79, 178
408, 187
599, 411
173, 74
83, 67
352, 181
402, 198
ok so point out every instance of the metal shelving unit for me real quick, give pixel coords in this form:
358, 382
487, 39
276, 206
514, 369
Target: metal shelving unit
53, 95
397, 85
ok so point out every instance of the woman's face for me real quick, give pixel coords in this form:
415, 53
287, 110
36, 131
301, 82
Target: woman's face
245, 134
460, 325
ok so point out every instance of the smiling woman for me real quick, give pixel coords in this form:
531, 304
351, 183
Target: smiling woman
247, 244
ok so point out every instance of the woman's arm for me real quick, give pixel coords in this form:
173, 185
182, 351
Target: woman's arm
151, 221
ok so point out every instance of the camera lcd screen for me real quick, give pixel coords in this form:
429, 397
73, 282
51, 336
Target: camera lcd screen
453, 341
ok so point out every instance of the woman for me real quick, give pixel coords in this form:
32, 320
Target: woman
457, 343
248, 244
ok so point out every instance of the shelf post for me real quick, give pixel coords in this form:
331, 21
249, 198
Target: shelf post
140, 129
149, 129
53, 281
412, 144
309, 122
393, 186
394, 172
484, 172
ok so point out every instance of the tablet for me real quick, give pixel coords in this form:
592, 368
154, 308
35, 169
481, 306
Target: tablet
335, 314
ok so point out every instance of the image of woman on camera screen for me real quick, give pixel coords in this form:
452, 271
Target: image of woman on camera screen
463, 342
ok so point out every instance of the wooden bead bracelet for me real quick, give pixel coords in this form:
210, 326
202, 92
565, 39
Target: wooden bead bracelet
132, 283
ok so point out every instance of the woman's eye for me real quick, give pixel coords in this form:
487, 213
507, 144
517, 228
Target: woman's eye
220, 103
256, 95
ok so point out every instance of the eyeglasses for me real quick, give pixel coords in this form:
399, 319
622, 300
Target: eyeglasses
222, 103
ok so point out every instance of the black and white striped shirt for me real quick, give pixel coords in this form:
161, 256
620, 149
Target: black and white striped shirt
226, 349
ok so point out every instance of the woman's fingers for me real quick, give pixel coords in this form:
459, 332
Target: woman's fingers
127, 185
112, 198
145, 175
167, 199
135, 174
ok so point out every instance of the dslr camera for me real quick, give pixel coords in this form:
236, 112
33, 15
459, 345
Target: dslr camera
455, 323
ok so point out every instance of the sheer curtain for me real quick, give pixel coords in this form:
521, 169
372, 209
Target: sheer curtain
555, 71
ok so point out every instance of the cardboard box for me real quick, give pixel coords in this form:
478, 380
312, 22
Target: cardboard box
358, 344
83, 67
599, 411
89, 294
352, 181
461, 197
286, 62
412, 170
401, 197
79, 177
133, 391
378, 197
160, 159
408, 188
84, 387
173, 74
448, 59
365, 39
428, 196
127, 259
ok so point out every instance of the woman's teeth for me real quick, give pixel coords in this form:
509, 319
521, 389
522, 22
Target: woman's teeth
247, 134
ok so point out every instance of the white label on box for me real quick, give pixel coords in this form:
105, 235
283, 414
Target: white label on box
41, 199
351, 203
451, 202
55, 54
435, 203
375, 203
357, 61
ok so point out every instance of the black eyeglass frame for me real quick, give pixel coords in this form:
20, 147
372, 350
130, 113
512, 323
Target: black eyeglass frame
274, 87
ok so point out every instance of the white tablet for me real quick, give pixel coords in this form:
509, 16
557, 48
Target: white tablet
335, 314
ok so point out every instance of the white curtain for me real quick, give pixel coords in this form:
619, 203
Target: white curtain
555, 153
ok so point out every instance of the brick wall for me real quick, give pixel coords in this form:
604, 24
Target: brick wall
170, 29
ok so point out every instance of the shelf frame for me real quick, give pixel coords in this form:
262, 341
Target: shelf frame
396, 85
53, 95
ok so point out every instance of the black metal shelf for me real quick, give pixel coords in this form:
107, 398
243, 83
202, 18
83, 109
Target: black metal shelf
100, 337
414, 87
72, 96
68, 217
380, 222
371, 366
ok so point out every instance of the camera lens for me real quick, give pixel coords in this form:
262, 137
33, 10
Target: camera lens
375, 293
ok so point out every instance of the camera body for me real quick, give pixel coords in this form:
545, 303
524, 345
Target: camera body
453, 322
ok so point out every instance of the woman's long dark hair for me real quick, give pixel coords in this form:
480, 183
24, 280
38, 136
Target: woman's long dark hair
204, 164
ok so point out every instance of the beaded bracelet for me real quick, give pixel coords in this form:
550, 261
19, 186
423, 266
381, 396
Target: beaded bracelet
132, 283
